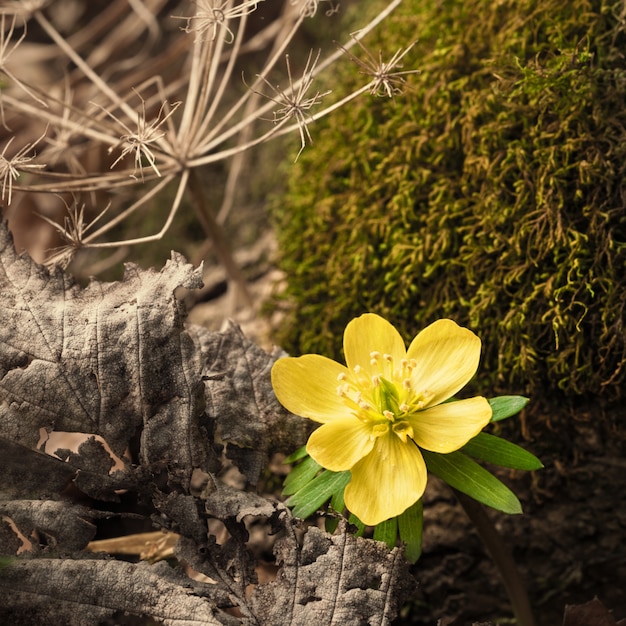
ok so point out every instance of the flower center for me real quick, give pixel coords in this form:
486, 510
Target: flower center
385, 399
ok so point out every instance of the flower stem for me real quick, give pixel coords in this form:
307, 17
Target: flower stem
502, 557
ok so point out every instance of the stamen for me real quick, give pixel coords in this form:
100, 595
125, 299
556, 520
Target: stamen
388, 358
374, 354
389, 415
424, 398
342, 390
404, 407
376, 380
341, 376
357, 369
406, 383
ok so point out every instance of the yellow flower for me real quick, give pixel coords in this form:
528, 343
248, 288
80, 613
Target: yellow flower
386, 404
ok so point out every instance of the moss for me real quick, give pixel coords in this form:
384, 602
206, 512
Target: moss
491, 192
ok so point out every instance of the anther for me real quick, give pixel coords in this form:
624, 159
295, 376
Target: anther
342, 390
425, 396
374, 354
404, 407
389, 415
341, 376
388, 358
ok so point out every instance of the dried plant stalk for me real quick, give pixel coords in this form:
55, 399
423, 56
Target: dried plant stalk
137, 104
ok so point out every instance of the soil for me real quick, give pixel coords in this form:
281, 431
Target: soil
568, 544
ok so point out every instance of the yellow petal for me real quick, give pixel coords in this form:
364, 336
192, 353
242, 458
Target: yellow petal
307, 386
369, 333
446, 357
387, 481
447, 427
338, 445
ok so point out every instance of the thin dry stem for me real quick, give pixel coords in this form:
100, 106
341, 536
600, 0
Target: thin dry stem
6, 51
11, 168
293, 102
75, 58
239, 161
219, 132
139, 142
219, 239
211, 16
73, 231
386, 79
308, 8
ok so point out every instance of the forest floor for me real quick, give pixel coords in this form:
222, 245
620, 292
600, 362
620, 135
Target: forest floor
569, 543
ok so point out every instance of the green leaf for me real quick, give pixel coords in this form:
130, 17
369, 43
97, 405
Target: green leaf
337, 501
387, 532
360, 526
506, 406
301, 475
330, 524
410, 525
316, 493
499, 451
460, 472
300, 453
338, 504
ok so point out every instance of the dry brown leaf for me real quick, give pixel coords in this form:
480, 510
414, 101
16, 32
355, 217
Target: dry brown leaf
115, 362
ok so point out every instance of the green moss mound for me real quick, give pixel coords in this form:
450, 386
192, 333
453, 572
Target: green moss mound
493, 191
